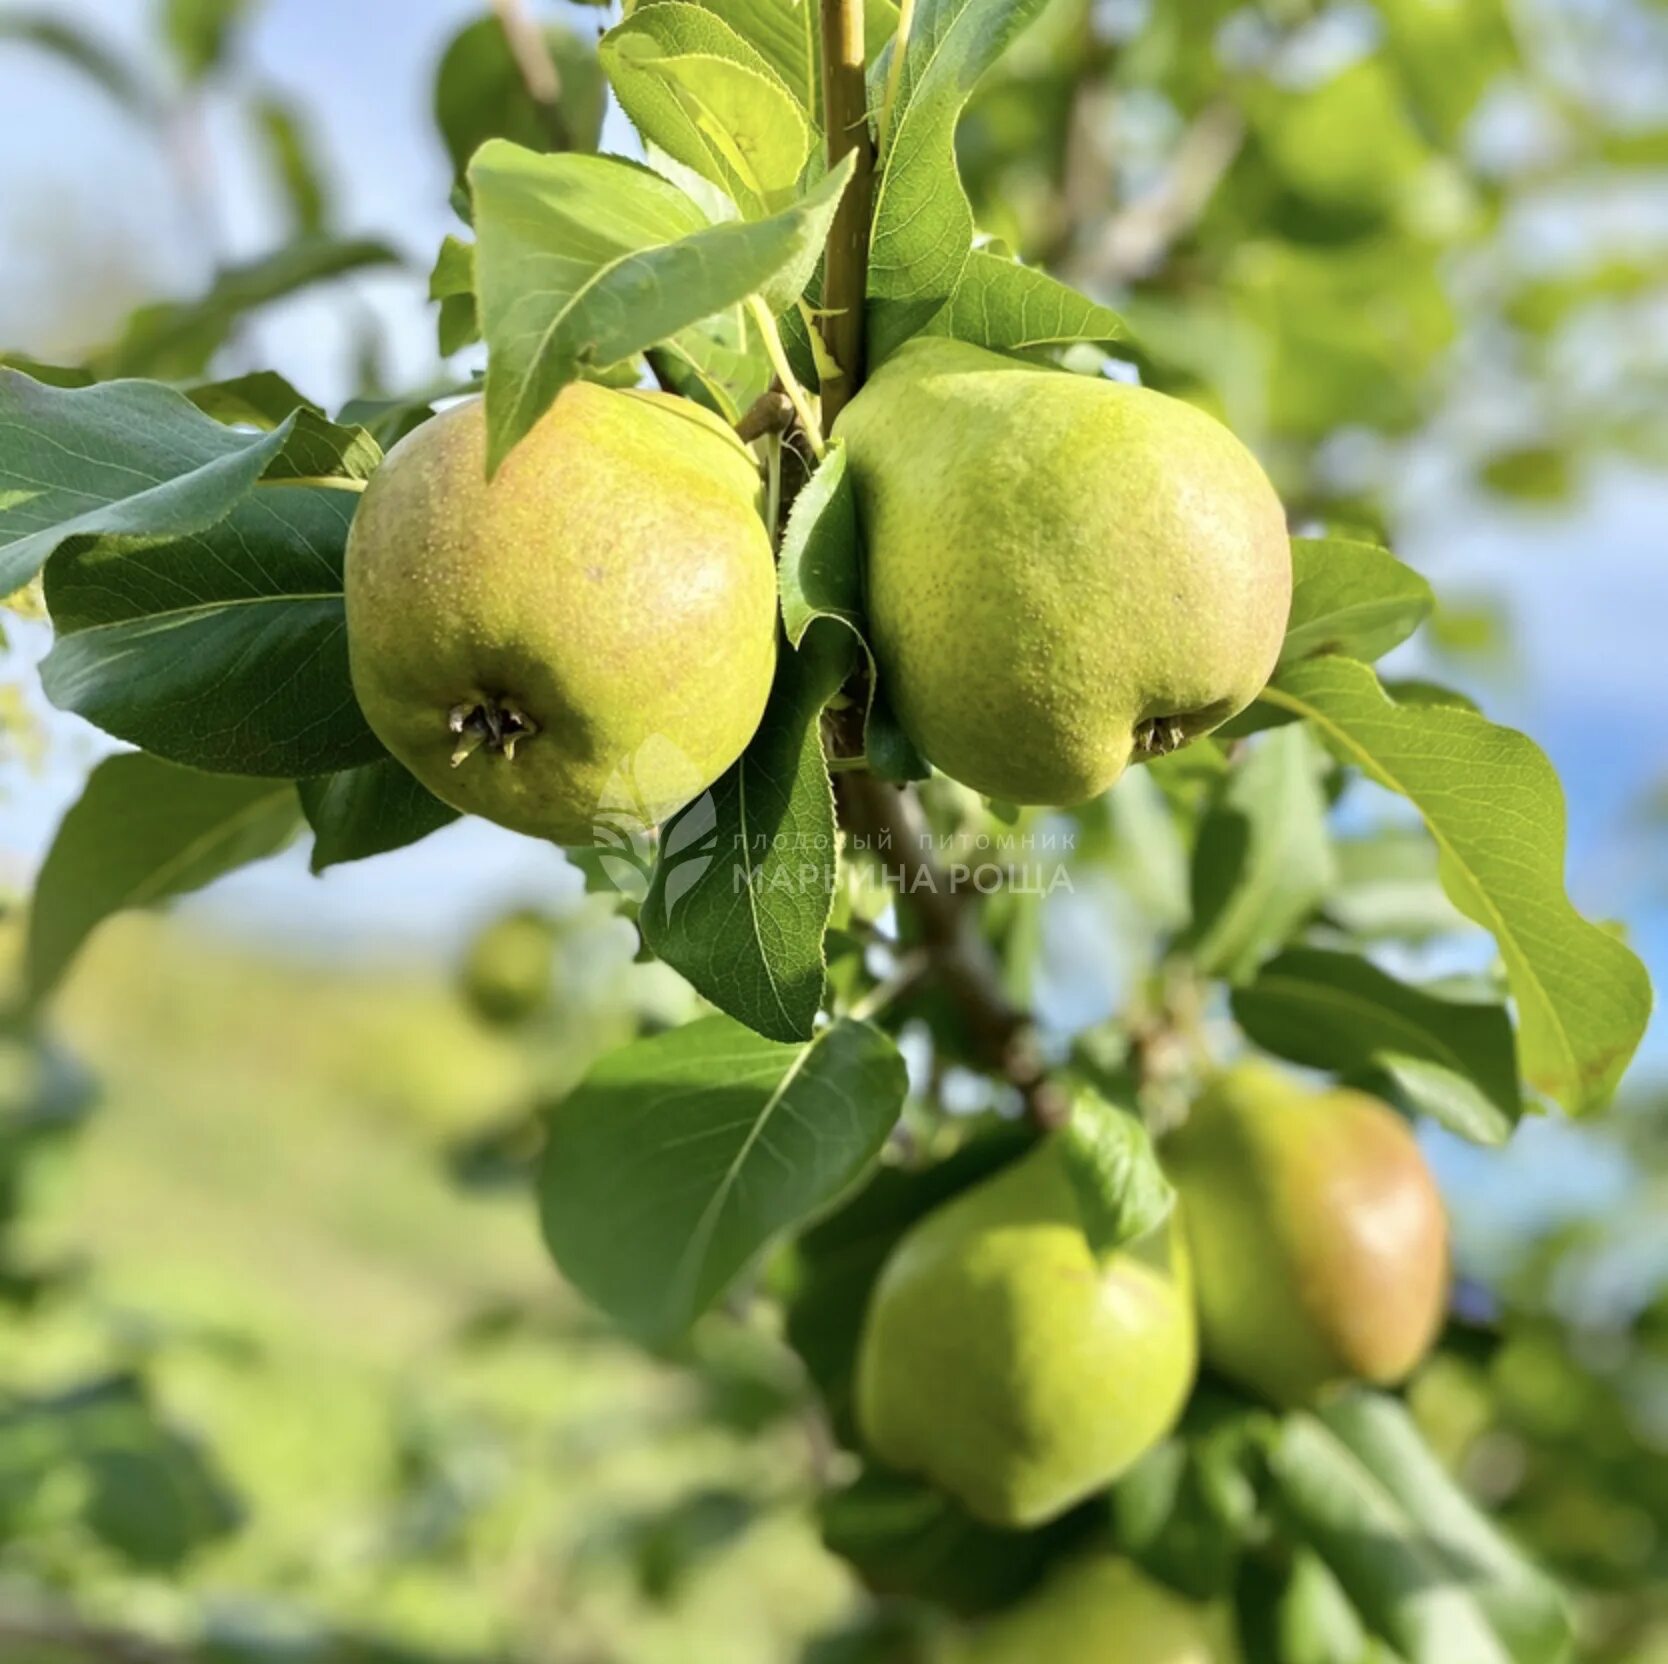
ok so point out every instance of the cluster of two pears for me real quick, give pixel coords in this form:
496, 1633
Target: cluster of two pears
1007, 1361
1063, 574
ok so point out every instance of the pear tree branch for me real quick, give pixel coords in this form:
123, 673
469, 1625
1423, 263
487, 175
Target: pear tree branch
845, 103
888, 819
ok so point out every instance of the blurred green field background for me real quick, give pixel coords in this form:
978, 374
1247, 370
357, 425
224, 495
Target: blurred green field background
421, 1436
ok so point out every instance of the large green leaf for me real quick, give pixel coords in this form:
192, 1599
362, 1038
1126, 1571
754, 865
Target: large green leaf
365, 811
226, 650
176, 339
1007, 307
1455, 1060
581, 261
1495, 808
679, 1157
138, 462
695, 88
142, 832
923, 225
744, 881
1351, 598
1263, 860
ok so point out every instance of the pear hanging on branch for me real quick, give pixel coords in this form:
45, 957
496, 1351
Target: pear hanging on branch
588, 638
1065, 574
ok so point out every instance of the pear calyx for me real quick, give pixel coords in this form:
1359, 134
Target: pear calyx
490, 722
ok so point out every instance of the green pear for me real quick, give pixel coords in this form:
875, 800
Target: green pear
1064, 573
589, 638
1318, 1239
1007, 1363
1101, 1610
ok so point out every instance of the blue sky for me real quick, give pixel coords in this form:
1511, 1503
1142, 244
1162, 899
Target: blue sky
94, 217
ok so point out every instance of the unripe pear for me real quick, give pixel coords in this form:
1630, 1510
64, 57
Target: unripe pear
1100, 1609
1064, 573
1005, 1361
1318, 1238
591, 635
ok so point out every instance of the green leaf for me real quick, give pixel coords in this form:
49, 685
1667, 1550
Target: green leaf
1297, 1615
1189, 1508
820, 572
1494, 806
262, 399
695, 88
923, 225
1388, 887
480, 93
452, 283
1263, 859
1000, 304
135, 461
177, 339
744, 878
1524, 1605
1456, 1061
144, 831
820, 577
1351, 598
82, 52
49, 375
679, 1157
359, 812
906, 1538
146, 1492
293, 164
225, 650
583, 261
388, 421
317, 450
1121, 1191
784, 34
1392, 1574
718, 362
200, 32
